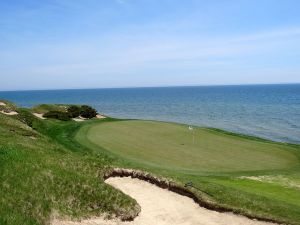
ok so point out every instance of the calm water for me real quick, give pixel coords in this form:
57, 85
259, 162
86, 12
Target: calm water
268, 111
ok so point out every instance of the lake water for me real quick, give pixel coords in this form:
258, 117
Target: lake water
268, 111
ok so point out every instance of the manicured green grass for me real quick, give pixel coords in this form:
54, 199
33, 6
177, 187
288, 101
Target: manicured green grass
248, 175
171, 146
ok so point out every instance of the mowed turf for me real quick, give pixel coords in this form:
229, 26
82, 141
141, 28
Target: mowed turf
171, 146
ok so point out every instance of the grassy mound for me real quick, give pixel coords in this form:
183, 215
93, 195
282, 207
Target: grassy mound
44, 108
7, 106
40, 178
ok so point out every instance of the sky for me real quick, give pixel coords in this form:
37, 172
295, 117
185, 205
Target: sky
62, 44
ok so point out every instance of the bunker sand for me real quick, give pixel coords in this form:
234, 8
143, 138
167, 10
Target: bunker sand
163, 207
39, 115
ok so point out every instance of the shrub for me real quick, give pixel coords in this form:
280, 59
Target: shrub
74, 111
88, 112
58, 115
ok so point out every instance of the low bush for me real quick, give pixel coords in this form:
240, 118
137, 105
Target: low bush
88, 112
3, 108
58, 115
74, 111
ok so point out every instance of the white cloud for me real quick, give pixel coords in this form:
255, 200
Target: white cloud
118, 56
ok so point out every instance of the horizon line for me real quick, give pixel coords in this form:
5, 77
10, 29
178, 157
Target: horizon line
163, 86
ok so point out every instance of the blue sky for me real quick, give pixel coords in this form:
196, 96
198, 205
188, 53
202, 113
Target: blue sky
54, 44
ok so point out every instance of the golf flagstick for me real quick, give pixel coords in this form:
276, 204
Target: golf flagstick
193, 133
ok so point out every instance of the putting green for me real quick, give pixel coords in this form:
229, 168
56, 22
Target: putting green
171, 146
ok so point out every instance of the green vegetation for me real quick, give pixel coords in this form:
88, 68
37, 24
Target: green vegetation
84, 111
7, 107
44, 108
26, 117
40, 178
58, 115
74, 111
65, 112
52, 167
87, 112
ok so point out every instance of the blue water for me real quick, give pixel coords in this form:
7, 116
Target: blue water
268, 111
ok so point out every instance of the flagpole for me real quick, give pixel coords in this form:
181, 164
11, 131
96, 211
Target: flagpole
193, 136
193, 133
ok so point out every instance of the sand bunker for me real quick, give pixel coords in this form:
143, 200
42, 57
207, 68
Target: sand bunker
162, 207
2, 103
81, 119
11, 113
39, 115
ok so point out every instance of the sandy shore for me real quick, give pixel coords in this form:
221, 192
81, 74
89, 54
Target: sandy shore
162, 207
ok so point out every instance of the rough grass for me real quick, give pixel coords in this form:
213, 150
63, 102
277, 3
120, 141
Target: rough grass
40, 178
217, 163
44, 108
8, 107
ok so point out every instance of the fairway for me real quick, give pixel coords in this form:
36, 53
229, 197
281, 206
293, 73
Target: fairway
171, 146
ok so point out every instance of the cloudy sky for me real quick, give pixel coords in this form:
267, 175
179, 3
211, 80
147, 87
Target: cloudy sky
59, 44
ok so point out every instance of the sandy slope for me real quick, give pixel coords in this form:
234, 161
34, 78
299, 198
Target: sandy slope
99, 116
162, 207
10, 113
79, 119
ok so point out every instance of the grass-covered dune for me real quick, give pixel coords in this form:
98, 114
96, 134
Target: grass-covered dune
44, 108
51, 168
41, 179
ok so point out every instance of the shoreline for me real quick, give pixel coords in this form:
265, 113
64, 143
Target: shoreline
269, 112
218, 129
